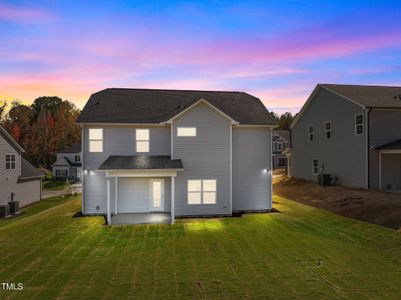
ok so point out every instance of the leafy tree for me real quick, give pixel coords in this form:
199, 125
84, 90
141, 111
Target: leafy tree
43, 128
284, 120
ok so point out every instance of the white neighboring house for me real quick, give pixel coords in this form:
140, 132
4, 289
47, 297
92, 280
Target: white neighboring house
17, 175
281, 141
68, 164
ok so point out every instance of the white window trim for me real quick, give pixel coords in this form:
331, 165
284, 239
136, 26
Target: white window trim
201, 192
311, 133
10, 162
187, 135
95, 140
356, 125
327, 130
313, 166
137, 140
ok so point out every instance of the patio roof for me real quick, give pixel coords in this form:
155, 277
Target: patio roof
141, 162
395, 145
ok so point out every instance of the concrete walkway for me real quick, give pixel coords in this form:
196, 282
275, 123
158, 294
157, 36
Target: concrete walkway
48, 194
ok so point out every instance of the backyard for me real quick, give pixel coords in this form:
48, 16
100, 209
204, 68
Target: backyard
298, 252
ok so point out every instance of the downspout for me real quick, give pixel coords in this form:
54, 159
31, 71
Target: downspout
368, 110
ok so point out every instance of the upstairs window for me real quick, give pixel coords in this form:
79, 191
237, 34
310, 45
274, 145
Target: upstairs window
96, 140
358, 124
310, 133
10, 161
202, 191
142, 140
279, 147
315, 166
77, 158
327, 130
186, 131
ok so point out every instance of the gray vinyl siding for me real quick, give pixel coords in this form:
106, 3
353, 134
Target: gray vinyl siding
117, 140
25, 192
206, 156
251, 155
28, 192
385, 127
391, 171
137, 189
344, 155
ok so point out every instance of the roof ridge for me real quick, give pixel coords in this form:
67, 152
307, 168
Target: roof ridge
168, 90
361, 85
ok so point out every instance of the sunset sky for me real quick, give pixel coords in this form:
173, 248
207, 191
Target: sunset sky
275, 50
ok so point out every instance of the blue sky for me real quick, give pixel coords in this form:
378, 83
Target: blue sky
275, 50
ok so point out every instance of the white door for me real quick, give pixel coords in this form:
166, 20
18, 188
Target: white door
156, 193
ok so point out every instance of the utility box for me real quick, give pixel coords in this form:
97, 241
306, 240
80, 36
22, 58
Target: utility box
13, 207
324, 179
4, 211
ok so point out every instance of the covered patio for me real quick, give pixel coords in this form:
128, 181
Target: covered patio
140, 189
390, 166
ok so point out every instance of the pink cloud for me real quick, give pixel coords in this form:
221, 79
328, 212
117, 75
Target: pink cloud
24, 14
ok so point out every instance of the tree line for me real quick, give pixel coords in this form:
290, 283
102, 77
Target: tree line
48, 126
43, 128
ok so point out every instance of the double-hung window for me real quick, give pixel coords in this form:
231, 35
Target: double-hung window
77, 158
202, 191
315, 166
327, 130
359, 124
310, 133
142, 140
279, 147
95, 139
10, 161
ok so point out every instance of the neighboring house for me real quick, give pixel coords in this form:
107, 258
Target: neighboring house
68, 163
188, 153
17, 175
351, 132
281, 141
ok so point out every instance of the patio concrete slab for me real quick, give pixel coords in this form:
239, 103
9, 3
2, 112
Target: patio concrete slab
140, 218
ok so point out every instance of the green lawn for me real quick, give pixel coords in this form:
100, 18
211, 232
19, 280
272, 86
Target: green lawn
36, 208
301, 252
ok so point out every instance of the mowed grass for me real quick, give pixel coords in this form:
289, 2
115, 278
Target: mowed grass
299, 253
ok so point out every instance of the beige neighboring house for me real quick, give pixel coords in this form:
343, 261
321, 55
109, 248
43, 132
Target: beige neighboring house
17, 176
68, 163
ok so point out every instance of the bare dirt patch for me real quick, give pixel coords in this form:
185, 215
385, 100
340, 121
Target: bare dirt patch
367, 205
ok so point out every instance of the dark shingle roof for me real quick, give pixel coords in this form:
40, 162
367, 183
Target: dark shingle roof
155, 106
28, 170
390, 146
130, 162
369, 96
72, 164
75, 148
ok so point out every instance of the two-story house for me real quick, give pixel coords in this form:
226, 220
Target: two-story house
68, 163
351, 132
281, 141
185, 153
17, 176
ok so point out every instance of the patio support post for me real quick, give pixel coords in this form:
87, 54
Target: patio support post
172, 199
108, 202
116, 195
